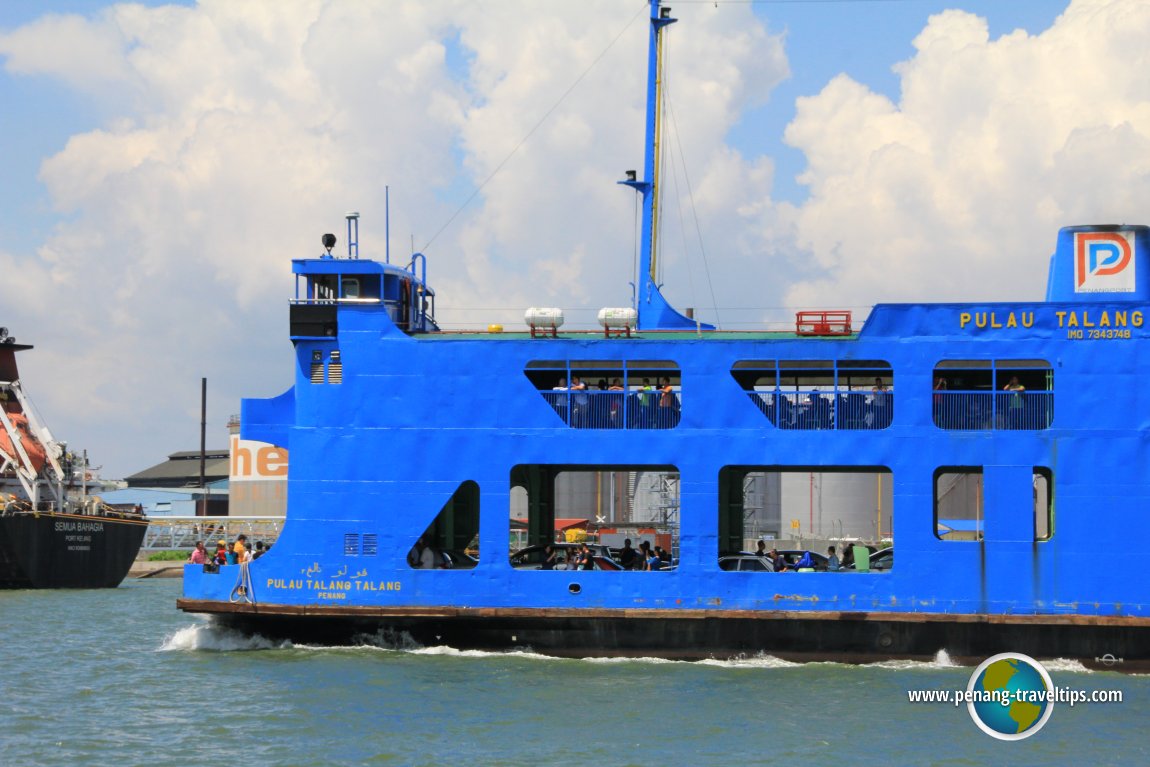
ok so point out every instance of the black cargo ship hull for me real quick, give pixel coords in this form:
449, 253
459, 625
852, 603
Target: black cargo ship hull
67, 551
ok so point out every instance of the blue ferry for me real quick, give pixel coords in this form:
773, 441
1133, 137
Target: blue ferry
1006, 438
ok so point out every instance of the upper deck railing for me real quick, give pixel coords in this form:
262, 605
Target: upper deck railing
814, 409
597, 409
993, 411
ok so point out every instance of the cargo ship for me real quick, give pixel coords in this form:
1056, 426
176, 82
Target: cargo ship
1003, 441
55, 532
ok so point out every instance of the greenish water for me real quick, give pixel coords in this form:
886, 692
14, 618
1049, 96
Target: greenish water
120, 677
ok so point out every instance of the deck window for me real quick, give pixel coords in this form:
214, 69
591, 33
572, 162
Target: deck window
610, 394
993, 395
959, 507
820, 394
785, 507
453, 535
1043, 503
564, 506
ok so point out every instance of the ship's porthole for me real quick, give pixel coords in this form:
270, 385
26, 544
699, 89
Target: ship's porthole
574, 588
885, 639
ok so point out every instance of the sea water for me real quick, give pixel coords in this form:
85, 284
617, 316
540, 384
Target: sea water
120, 677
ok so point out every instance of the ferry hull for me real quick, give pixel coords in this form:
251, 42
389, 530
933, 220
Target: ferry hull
67, 551
1118, 643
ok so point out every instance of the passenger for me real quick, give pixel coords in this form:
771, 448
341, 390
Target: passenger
199, 554
415, 553
939, 401
654, 562
643, 405
627, 555
1014, 410
260, 551
668, 404
778, 560
832, 560
221, 557
761, 550
579, 403
239, 549
588, 559
878, 417
550, 556
615, 404
644, 555
879, 390
427, 558
848, 557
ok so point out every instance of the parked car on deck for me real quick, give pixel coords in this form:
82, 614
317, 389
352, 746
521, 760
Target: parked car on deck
531, 558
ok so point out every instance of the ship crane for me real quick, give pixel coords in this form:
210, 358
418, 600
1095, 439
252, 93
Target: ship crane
16, 451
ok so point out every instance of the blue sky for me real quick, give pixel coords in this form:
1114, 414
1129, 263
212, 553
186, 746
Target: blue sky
161, 165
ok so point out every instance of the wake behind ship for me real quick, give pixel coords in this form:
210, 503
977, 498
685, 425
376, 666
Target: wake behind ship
1014, 488
53, 534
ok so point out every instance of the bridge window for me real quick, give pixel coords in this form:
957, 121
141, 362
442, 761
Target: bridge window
788, 507
989, 395
820, 394
610, 394
565, 506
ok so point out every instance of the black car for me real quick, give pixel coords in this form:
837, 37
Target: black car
531, 558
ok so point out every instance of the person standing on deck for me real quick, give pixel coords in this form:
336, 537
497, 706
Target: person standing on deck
199, 554
627, 555
239, 549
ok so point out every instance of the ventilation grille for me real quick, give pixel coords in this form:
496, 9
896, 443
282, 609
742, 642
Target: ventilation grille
370, 544
351, 544
316, 372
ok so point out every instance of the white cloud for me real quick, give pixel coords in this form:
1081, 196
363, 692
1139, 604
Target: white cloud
956, 192
237, 133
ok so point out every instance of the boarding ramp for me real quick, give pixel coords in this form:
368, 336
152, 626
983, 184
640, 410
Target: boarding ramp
181, 533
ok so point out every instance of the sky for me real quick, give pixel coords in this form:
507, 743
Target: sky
161, 164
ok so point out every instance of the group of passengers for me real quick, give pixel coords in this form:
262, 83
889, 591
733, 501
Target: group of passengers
854, 409
646, 558
237, 553
804, 562
580, 559
610, 407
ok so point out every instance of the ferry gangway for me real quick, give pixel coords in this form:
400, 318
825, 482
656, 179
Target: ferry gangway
181, 533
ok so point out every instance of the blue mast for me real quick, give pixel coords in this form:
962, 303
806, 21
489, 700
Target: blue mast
654, 313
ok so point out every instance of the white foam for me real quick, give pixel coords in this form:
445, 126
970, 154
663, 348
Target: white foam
1065, 665
941, 660
212, 638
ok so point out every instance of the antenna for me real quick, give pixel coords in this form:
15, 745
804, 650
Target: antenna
352, 233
